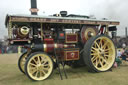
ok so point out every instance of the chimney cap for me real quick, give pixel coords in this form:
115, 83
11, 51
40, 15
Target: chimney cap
33, 10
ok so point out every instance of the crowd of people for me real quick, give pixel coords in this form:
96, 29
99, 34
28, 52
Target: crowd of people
122, 56
8, 49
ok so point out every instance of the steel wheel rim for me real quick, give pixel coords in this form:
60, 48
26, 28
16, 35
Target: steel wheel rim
22, 62
103, 53
40, 67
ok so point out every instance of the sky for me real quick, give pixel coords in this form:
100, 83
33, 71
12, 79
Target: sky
110, 9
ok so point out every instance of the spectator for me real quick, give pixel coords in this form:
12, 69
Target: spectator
118, 61
118, 54
123, 45
123, 56
0, 50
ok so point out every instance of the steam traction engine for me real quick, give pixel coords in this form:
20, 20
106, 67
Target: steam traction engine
67, 39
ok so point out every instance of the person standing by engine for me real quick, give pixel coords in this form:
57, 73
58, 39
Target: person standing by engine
118, 54
118, 61
123, 56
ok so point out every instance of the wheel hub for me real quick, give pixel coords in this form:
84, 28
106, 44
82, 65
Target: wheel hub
102, 53
39, 67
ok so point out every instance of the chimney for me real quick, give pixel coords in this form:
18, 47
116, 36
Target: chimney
126, 32
33, 8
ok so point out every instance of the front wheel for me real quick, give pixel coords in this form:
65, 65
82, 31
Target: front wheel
22, 61
99, 53
38, 66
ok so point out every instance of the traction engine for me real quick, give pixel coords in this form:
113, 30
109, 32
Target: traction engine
51, 41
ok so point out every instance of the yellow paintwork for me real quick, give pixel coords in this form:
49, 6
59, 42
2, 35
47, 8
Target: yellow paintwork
39, 67
103, 53
23, 60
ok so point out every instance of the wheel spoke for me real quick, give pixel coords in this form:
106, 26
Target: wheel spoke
105, 44
42, 58
33, 68
106, 55
43, 72
100, 43
106, 52
97, 44
108, 49
46, 65
44, 62
104, 60
36, 75
39, 61
34, 61
46, 69
97, 62
93, 58
101, 64
94, 48
93, 53
32, 64
33, 71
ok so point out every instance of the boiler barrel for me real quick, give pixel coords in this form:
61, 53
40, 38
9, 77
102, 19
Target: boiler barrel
50, 47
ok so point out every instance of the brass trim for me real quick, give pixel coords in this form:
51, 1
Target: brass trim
65, 45
107, 31
45, 47
29, 41
24, 31
92, 30
55, 45
10, 29
41, 31
51, 20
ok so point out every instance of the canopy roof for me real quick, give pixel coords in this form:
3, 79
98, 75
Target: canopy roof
53, 19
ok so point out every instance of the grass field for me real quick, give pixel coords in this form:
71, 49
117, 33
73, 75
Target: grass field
10, 75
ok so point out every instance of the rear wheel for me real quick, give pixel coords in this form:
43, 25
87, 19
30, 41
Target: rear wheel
39, 66
99, 53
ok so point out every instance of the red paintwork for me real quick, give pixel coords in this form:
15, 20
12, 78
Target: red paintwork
101, 30
71, 38
50, 47
72, 55
62, 34
84, 29
48, 41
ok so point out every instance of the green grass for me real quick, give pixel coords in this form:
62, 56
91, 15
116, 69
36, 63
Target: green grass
10, 75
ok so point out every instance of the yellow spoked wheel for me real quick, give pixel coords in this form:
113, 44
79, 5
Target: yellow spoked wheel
21, 61
38, 66
99, 53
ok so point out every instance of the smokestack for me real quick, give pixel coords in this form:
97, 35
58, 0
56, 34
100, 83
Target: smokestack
126, 33
33, 8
